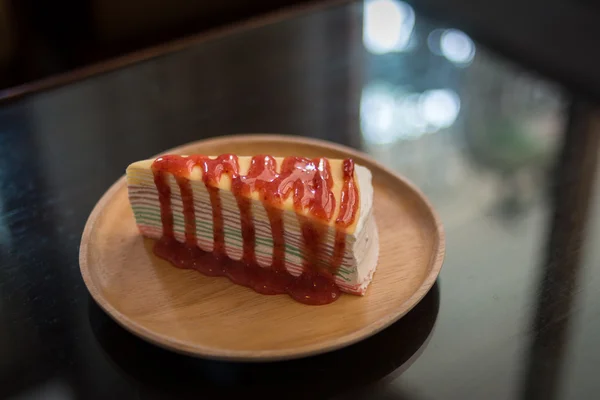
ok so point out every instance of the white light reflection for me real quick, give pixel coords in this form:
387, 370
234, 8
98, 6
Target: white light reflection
377, 113
389, 115
457, 47
387, 26
439, 107
411, 119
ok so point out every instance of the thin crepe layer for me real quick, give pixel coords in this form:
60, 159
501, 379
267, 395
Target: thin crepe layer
349, 277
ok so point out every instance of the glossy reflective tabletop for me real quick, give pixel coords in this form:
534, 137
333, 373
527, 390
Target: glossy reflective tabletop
507, 158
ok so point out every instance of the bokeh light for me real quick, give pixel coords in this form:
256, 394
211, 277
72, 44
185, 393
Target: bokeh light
439, 107
389, 114
387, 26
457, 47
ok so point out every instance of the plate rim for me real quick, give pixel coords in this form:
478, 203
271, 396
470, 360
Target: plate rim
196, 350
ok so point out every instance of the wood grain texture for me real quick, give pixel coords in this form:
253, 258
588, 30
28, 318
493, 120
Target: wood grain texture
211, 317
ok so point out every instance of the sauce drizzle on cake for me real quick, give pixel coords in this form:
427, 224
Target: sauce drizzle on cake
307, 181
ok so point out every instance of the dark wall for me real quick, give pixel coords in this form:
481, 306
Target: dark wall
40, 38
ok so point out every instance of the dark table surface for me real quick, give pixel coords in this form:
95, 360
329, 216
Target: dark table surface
507, 158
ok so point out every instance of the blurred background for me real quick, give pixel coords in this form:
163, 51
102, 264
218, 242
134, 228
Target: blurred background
41, 38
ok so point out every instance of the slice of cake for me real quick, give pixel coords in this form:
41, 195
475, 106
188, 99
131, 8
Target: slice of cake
277, 225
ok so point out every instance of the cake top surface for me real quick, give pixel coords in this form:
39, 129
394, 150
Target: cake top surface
320, 188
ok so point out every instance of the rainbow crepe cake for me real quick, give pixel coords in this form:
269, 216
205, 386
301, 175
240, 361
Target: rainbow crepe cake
277, 225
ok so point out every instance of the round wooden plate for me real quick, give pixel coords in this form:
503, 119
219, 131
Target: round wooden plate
211, 317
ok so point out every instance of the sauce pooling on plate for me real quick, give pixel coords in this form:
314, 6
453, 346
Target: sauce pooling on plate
307, 181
